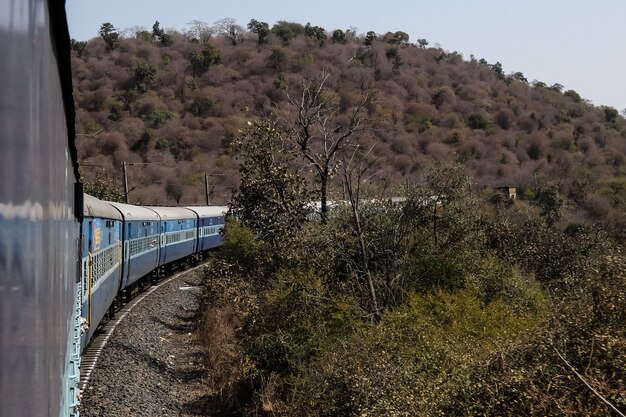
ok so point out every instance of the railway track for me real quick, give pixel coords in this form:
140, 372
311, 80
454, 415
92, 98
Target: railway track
90, 356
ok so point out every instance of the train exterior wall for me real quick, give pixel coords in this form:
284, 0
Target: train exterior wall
142, 243
39, 233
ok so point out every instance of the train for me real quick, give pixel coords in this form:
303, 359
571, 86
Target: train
64, 256
124, 245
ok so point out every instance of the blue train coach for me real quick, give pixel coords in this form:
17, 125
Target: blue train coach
178, 233
101, 262
210, 226
140, 237
40, 211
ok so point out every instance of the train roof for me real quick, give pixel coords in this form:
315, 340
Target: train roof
174, 213
131, 212
209, 211
94, 207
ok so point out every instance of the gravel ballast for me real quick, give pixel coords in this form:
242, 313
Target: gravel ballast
152, 364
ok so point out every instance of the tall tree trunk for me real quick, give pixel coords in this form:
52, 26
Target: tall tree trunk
323, 195
435, 226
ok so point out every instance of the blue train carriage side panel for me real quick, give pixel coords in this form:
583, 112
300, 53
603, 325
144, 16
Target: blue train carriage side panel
101, 263
178, 233
210, 226
39, 230
140, 242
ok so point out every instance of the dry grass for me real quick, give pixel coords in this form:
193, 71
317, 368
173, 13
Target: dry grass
228, 366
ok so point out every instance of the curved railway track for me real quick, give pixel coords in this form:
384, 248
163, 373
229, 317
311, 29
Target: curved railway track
90, 356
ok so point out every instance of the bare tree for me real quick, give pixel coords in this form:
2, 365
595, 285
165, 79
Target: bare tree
199, 30
229, 28
320, 128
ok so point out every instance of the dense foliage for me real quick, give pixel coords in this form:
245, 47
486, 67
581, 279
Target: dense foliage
493, 311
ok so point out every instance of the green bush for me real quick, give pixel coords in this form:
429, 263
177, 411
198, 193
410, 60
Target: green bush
432, 270
242, 247
418, 355
200, 106
586, 328
495, 280
157, 117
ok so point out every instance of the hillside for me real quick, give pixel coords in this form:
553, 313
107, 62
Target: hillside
174, 102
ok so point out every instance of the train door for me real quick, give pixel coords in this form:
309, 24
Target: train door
163, 242
127, 250
200, 234
127, 242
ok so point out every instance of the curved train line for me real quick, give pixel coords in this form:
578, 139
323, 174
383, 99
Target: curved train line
92, 353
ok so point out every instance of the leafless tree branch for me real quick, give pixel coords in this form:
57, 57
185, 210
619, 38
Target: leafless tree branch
597, 394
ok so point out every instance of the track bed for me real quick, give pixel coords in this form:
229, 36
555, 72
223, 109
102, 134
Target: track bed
151, 364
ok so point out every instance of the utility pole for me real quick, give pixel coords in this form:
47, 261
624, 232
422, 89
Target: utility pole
125, 179
125, 182
208, 190
206, 187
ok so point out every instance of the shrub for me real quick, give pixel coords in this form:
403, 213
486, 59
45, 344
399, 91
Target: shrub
586, 329
157, 117
415, 358
200, 106
242, 247
476, 121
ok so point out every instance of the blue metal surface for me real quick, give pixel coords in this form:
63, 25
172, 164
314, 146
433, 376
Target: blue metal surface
140, 265
176, 251
39, 233
101, 299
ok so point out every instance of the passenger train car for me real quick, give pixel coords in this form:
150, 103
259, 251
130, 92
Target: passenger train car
101, 264
210, 224
141, 242
65, 257
125, 246
40, 210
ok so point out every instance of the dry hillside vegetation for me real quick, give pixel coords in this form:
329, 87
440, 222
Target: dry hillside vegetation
177, 101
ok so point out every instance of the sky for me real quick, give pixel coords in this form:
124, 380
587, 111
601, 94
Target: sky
580, 44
